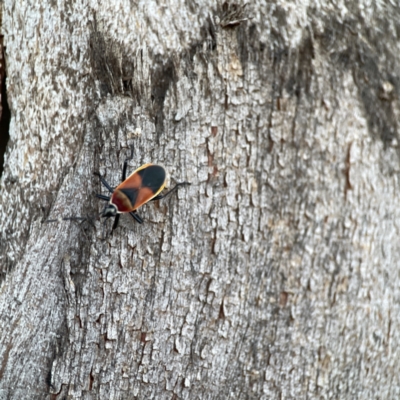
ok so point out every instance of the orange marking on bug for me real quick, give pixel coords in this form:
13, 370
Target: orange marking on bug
134, 178
133, 181
144, 195
121, 201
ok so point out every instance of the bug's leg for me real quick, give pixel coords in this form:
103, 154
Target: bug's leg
102, 197
116, 220
136, 217
126, 165
124, 169
161, 196
105, 183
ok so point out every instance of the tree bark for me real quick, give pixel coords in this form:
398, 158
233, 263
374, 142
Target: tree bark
275, 274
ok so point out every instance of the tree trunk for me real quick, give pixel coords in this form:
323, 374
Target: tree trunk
275, 275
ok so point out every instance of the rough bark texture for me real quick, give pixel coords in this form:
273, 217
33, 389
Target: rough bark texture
275, 275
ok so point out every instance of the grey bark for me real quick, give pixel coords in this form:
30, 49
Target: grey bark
275, 275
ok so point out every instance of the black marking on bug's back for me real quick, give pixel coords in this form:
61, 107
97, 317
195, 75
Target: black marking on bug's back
153, 177
131, 194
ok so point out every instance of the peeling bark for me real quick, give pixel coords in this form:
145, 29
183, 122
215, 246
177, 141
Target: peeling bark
275, 274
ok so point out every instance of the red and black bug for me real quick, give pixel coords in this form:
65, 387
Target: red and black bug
143, 185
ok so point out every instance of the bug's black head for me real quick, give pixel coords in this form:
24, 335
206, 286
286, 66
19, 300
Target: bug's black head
109, 211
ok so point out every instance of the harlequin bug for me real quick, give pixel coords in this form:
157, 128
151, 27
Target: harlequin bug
143, 185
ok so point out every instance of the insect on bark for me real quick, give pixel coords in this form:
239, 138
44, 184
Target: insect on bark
141, 186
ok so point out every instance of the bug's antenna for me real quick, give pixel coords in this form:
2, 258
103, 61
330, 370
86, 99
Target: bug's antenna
104, 228
66, 219
88, 218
